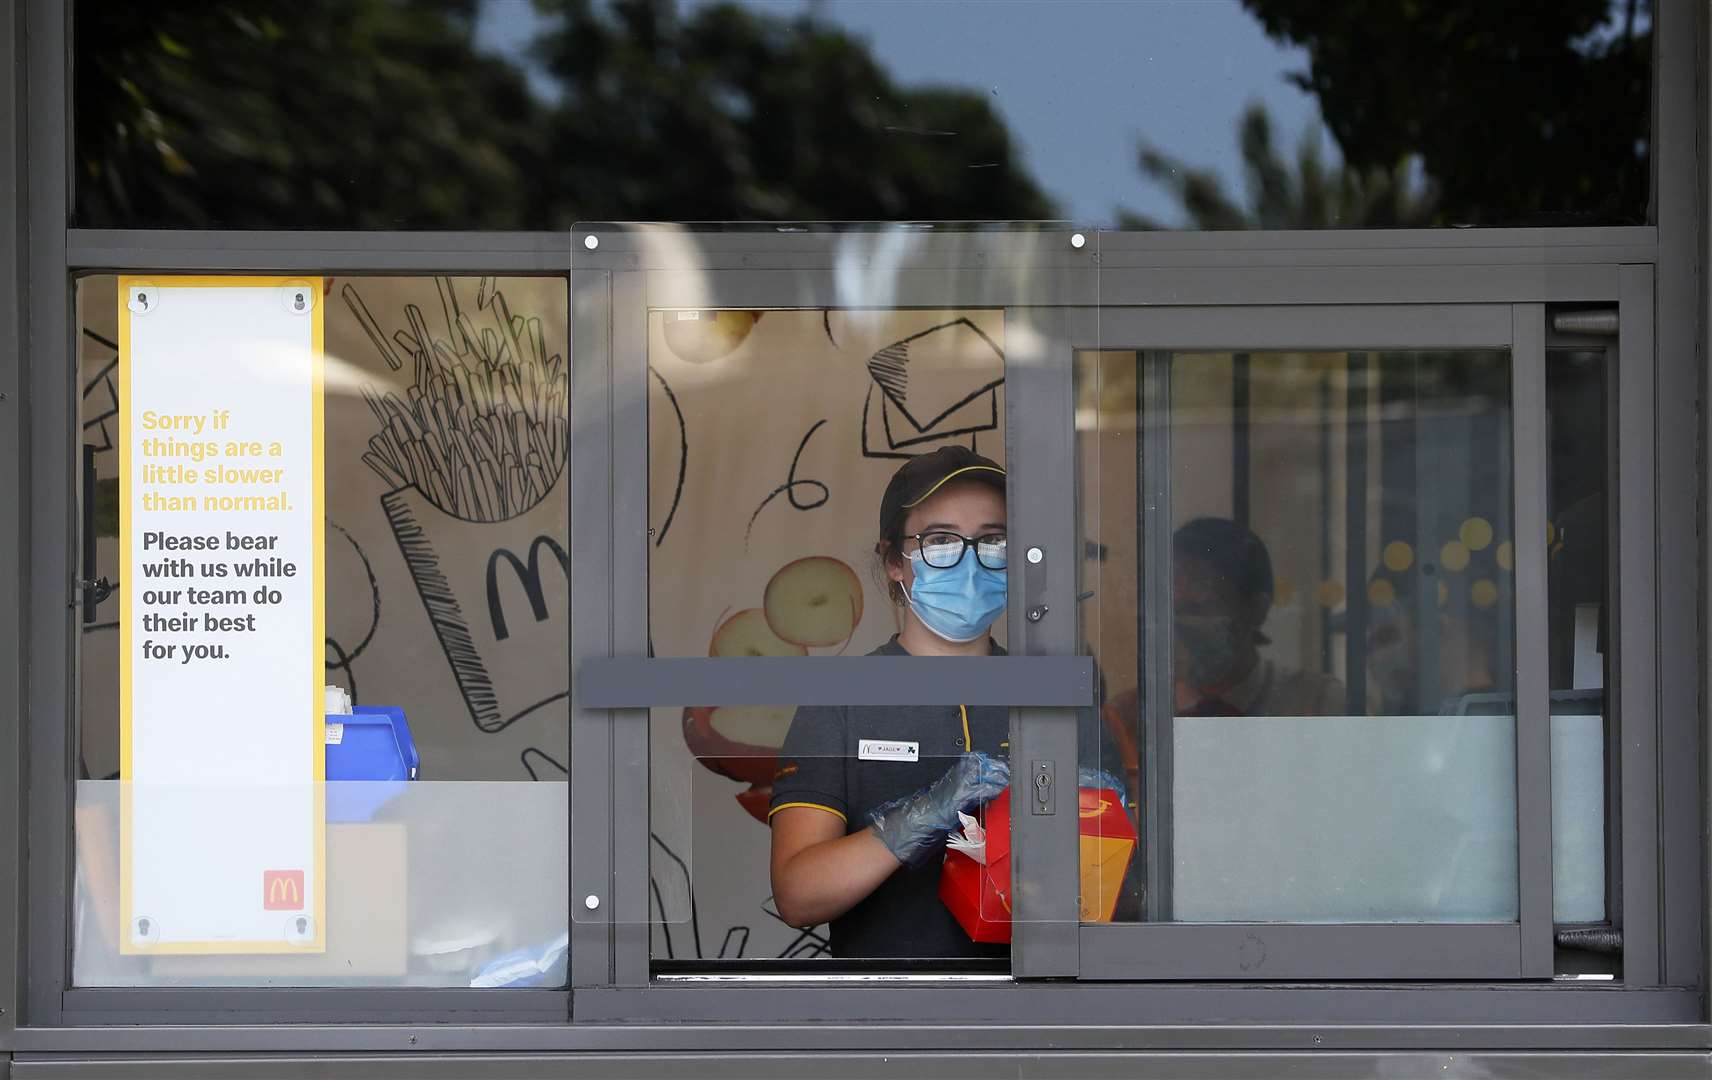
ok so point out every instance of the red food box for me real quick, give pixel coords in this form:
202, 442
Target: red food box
980, 895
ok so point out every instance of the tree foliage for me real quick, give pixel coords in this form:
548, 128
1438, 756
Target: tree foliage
1521, 112
388, 114
384, 113
358, 113
1307, 193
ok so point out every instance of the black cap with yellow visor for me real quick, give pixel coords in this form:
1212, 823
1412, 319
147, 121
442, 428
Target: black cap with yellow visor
925, 474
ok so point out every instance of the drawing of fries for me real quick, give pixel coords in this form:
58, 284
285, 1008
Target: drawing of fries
472, 450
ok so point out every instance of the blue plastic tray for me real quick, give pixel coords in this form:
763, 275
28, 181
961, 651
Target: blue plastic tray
377, 750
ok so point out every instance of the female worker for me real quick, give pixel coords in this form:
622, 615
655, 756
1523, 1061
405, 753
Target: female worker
865, 795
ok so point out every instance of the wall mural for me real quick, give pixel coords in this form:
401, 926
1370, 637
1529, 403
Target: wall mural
772, 437
477, 439
447, 435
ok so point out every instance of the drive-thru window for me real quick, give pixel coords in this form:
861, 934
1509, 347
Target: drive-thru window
843, 591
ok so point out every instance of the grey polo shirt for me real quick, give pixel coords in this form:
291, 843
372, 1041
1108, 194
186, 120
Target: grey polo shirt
821, 766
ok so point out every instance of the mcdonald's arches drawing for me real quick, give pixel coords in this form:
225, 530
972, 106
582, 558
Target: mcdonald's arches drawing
282, 890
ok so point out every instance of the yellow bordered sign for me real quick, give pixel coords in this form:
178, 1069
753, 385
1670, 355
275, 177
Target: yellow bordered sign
288, 893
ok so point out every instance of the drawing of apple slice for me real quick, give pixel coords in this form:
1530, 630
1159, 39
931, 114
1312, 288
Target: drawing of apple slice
738, 741
747, 634
750, 726
701, 337
813, 602
757, 800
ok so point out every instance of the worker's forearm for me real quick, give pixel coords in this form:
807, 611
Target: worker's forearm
823, 881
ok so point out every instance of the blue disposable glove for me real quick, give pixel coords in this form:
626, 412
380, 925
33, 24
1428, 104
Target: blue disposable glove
912, 826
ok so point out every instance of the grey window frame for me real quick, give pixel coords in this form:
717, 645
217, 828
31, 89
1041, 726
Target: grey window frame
609, 972
1527, 1026
1036, 276
50, 992
1159, 948
1304, 304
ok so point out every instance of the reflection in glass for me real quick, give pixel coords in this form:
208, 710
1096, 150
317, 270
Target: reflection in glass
1274, 114
440, 883
446, 595
824, 482
945, 550
1341, 744
774, 438
773, 435
1222, 589
1577, 633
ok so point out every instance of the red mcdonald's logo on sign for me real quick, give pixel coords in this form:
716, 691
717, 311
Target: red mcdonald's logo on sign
282, 890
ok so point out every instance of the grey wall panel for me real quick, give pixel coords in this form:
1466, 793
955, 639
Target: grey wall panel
974, 1063
1301, 951
1059, 1016
1533, 676
1703, 486
1133, 1010
1269, 326
1635, 627
1502, 253
628, 523
1680, 289
989, 246
1044, 244
1378, 247
53, 433
320, 1005
1040, 454
13, 211
1305, 280
591, 624
636, 681
318, 251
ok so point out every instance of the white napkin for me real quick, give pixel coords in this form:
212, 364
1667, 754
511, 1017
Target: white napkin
972, 841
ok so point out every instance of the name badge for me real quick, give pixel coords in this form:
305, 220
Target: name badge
881, 750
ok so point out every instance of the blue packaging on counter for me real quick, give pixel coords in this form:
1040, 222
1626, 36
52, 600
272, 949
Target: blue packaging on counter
371, 745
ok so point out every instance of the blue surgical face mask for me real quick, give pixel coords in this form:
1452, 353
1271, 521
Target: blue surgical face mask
958, 603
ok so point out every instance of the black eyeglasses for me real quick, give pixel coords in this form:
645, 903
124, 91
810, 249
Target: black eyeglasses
943, 550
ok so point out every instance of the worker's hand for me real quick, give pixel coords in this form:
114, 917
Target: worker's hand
912, 826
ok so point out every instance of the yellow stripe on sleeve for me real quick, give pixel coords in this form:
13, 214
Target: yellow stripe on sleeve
810, 805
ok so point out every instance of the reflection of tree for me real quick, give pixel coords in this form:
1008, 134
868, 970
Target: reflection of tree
318, 112
721, 112
1306, 195
1523, 111
384, 114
